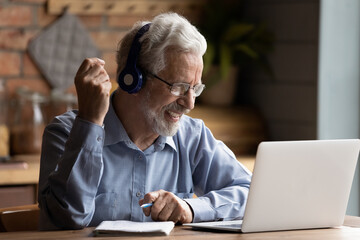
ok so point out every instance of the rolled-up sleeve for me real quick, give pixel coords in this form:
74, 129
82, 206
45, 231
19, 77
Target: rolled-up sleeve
221, 183
71, 169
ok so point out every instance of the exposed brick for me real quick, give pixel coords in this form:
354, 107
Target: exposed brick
107, 40
29, 1
18, 68
125, 21
110, 62
71, 89
9, 63
128, 21
30, 69
91, 21
43, 18
15, 39
15, 16
34, 84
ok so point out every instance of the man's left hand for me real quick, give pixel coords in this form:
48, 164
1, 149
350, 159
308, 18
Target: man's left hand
167, 207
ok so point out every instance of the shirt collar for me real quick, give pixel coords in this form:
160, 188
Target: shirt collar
162, 140
115, 131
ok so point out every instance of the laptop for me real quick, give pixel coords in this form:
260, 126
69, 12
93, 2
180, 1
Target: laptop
297, 185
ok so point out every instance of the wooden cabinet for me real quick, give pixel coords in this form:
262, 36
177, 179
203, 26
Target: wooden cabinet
18, 184
15, 195
240, 128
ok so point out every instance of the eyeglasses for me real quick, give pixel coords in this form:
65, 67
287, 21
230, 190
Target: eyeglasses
181, 89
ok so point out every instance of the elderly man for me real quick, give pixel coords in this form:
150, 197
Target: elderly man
115, 153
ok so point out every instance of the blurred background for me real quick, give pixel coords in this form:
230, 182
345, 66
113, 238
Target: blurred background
274, 69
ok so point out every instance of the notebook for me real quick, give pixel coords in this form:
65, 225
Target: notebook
297, 185
128, 228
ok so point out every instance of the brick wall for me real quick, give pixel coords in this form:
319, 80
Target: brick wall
21, 20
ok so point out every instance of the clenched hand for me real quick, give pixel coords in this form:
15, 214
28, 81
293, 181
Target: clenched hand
93, 89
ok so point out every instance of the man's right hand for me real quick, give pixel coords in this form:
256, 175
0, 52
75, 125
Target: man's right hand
93, 89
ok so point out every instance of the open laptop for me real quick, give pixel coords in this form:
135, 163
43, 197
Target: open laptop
297, 185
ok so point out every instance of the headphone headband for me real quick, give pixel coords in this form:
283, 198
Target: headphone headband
131, 78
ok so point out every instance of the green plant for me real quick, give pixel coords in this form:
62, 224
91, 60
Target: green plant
232, 39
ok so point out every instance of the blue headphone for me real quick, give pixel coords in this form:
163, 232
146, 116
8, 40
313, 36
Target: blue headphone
131, 78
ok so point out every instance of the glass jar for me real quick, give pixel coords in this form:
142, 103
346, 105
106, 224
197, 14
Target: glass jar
29, 123
4, 129
59, 103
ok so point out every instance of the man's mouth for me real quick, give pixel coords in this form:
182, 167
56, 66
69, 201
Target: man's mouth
174, 116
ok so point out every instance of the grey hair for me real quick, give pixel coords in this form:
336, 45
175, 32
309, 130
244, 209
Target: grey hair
167, 31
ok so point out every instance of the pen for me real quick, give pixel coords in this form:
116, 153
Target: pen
146, 205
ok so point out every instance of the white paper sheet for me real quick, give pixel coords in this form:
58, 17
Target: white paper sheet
122, 226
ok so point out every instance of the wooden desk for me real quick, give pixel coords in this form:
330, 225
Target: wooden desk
17, 176
247, 161
351, 231
19, 186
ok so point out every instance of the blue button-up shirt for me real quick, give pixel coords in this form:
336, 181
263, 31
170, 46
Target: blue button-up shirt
91, 173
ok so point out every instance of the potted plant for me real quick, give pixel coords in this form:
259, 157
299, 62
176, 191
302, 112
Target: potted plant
234, 42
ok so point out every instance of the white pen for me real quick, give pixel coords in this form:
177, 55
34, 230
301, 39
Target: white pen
146, 205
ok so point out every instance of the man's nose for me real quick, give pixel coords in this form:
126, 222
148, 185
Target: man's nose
188, 100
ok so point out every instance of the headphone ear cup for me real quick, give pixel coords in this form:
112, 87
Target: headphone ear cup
131, 78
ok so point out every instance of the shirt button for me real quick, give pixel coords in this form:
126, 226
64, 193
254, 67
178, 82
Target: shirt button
138, 194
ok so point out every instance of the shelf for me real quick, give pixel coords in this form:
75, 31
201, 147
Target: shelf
123, 7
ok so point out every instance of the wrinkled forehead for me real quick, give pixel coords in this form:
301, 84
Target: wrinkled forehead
182, 59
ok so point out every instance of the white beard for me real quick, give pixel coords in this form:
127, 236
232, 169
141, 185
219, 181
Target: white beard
158, 122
